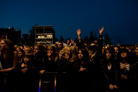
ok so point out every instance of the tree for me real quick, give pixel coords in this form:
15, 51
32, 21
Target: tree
25, 38
62, 39
91, 39
107, 39
95, 37
119, 41
76, 40
31, 36
85, 40
56, 39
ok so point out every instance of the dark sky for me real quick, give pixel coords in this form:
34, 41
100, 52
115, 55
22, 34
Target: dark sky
119, 17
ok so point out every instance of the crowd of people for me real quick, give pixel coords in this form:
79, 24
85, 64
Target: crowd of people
78, 67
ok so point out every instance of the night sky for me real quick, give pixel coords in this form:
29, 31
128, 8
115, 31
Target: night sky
119, 17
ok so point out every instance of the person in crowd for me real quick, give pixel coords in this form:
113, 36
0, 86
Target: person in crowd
38, 64
68, 42
81, 44
51, 59
8, 61
117, 52
96, 41
95, 54
81, 78
74, 53
21, 54
72, 42
134, 70
45, 47
93, 65
110, 71
59, 46
39, 57
16, 47
28, 49
124, 70
66, 68
49, 68
26, 75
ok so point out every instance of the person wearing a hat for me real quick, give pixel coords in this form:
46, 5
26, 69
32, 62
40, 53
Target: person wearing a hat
95, 54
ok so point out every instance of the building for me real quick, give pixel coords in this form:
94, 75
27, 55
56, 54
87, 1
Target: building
44, 34
11, 34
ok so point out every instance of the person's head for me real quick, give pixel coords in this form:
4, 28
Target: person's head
108, 45
117, 49
83, 54
27, 49
59, 45
51, 50
38, 48
20, 53
68, 41
66, 53
80, 55
136, 50
109, 53
6, 44
96, 41
28, 57
72, 42
124, 53
92, 48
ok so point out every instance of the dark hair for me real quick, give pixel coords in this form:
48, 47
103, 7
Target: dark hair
85, 53
111, 50
10, 49
92, 47
40, 46
10, 45
124, 50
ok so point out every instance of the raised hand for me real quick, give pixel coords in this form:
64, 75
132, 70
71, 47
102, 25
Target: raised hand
78, 31
101, 30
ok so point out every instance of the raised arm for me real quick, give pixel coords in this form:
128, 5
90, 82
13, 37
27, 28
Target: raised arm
100, 41
101, 30
79, 33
